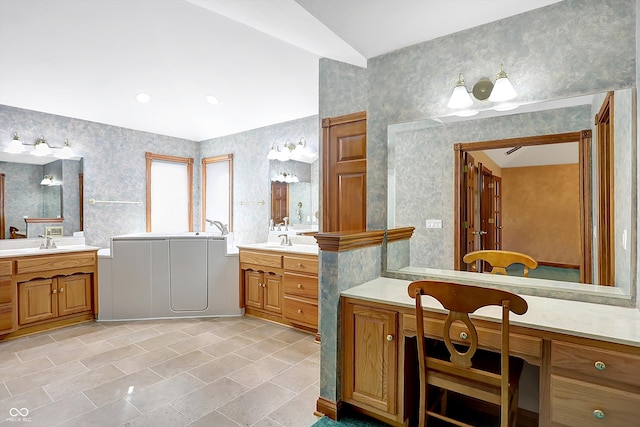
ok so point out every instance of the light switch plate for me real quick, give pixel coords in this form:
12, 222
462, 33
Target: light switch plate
434, 223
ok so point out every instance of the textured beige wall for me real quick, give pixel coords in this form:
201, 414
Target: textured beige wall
542, 212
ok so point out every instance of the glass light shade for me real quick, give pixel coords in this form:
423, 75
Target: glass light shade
15, 146
283, 155
273, 154
506, 106
41, 148
47, 180
502, 91
460, 98
66, 152
466, 113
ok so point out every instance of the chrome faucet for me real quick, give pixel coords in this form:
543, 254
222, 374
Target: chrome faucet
48, 243
285, 240
224, 228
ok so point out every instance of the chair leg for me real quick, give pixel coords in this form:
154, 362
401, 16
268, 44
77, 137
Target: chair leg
443, 401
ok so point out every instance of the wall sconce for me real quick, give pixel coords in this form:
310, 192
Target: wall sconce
286, 177
499, 92
47, 180
290, 151
39, 148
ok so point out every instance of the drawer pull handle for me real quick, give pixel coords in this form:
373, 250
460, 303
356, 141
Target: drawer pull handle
299, 311
464, 335
299, 264
600, 366
389, 337
598, 413
299, 286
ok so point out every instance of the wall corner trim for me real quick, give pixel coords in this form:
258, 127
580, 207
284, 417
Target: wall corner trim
349, 240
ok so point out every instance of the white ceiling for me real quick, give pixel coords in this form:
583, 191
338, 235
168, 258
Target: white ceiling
88, 59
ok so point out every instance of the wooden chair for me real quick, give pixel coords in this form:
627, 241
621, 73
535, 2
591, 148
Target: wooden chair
13, 233
500, 260
494, 378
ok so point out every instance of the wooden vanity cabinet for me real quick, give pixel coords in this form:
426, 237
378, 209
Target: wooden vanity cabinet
280, 286
45, 299
7, 299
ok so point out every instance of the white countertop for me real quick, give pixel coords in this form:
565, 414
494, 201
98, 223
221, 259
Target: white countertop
272, 246
596, 321
11, 253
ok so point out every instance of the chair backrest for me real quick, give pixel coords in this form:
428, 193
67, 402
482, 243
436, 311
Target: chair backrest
461, 300
500, 260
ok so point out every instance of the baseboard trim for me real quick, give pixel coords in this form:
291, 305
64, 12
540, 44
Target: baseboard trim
327, 408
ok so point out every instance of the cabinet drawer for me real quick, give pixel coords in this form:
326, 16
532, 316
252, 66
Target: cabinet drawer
6, 317
261, 258
297, 310
490, 339
583, 359
6, 291
301, 263
575, 403
6, 268
54, 262
301, 285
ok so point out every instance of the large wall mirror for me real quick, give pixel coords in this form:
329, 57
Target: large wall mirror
294, 194
39, 191
540, 187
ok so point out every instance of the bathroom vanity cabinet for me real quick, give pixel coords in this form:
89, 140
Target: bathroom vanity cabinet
279, 285
46, 289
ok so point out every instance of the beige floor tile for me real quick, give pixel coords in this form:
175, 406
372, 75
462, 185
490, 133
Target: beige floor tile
67, 386
261, 349
163, 340
141, 361
179, 364
290, 335
265, 331
216, 419
233, 329
256, 403
227, 346
52, 347
201, 328
267, 422
139, 325
134, 337
8, 357
298, 412
176, 325
17, 369
152, 397
297, 351
105, 333
31, 400
24, 343
220, 367
76, 331
111, 414
298, 377
120, 387
208, 398
87, 350
110, 356
61, 411
40, 378
165, 416
4, 391
259, 372
195, 343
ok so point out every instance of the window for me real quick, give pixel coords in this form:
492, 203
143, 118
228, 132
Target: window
217, 190
169, 193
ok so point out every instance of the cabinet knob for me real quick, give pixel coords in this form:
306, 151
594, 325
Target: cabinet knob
61, 289
389, 337
600, 365
598, 413
299, 264
299, 286
464, 335
299, 311
54, 291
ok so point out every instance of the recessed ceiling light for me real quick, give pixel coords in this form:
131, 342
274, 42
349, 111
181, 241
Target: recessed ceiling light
212, 99
143, 97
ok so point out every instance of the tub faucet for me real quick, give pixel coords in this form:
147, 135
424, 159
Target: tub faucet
220, 226
285, 240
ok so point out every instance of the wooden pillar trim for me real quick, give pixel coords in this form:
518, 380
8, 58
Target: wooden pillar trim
328, 408
349, 240
401, 233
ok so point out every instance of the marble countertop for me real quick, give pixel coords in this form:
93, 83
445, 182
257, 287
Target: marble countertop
273, 246
588, 320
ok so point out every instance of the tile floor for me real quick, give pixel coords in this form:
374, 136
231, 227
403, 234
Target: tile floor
218, 372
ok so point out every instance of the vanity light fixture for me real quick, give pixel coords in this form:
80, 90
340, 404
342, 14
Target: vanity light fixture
47, 180
41, 148
286, 177
290, 151
15, 146
65, 152
499, 92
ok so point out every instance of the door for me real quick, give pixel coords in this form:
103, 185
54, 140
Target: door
344, 191
469, 211
279, 201
273, 292
497, 212
486, 232
74, 294
37, 301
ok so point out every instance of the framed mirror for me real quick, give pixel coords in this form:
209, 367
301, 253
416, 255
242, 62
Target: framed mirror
294, 194
422, 155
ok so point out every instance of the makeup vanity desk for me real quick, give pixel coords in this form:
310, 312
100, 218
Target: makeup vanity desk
588, 354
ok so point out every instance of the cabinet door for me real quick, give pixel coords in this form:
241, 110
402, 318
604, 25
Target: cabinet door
74, 294
37, 301
253, 289
273, 292
370, 361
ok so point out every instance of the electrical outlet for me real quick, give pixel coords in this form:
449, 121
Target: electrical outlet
434, 223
